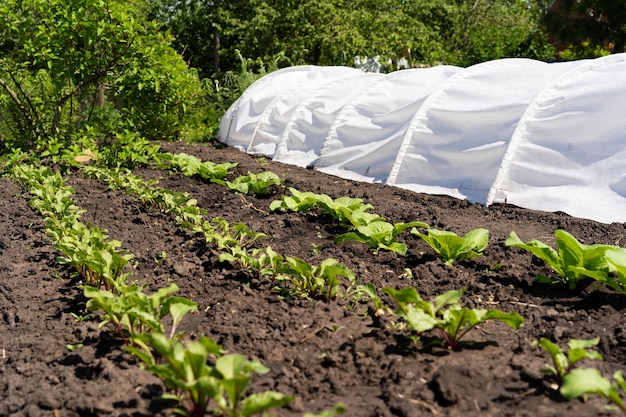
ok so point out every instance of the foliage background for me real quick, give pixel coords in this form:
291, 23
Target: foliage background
86, 71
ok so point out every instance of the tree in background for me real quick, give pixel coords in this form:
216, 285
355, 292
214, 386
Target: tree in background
233, 42
333, 32
67, 64
588, 28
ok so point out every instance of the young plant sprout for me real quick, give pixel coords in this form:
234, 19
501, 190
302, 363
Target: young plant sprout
445, 316
453, 248
562, 363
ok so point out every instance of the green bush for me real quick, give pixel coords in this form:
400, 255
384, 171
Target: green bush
65, 62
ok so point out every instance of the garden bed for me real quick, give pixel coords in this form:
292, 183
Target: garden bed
320, 352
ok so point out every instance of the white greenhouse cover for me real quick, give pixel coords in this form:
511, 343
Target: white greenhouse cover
544, 136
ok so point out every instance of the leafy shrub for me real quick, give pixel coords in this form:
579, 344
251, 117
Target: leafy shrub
61, 60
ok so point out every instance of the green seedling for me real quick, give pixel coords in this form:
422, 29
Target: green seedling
369, 292
584, 381
72, 348
79, 318
379, 235
259, 262
256, 184
190, 165
233, 239
160, 258
310, 281
270, 262
316, 249
445, 315
199, 387
562, 363
227, 236
617, 261
573, 262
132, 312
453, 248
95, 258
88, 249
297, 201
262, 262
348, 211
408, 274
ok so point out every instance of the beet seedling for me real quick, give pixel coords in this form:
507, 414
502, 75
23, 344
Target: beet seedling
228, 236
298, 201
308, 280
617, 259
256, 184
200, 387
262, 262
96, 259
190, 165
573, 262
583, 381
445, 315
380, 235
346, 210
563, 364
132, 312
368, 292
453, 248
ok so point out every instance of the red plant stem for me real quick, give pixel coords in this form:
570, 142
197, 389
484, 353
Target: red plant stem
118, 328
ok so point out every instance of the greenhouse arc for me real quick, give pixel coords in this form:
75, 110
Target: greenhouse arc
544, 136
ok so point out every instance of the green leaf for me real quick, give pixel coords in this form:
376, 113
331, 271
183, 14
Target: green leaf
161, 344
453, 248
397, 247
540, 250
513, 320
618, 376
261, 402
616, 258
419, 320
178, 307
404, 295
570, 249
583, 381
475, 240
207, 386
558, 357
230, 366
449, 298
351, 237
583, 344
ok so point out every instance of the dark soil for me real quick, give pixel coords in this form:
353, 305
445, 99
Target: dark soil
319, 352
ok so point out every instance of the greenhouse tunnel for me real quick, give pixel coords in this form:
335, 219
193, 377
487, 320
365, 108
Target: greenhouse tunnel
543, 136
